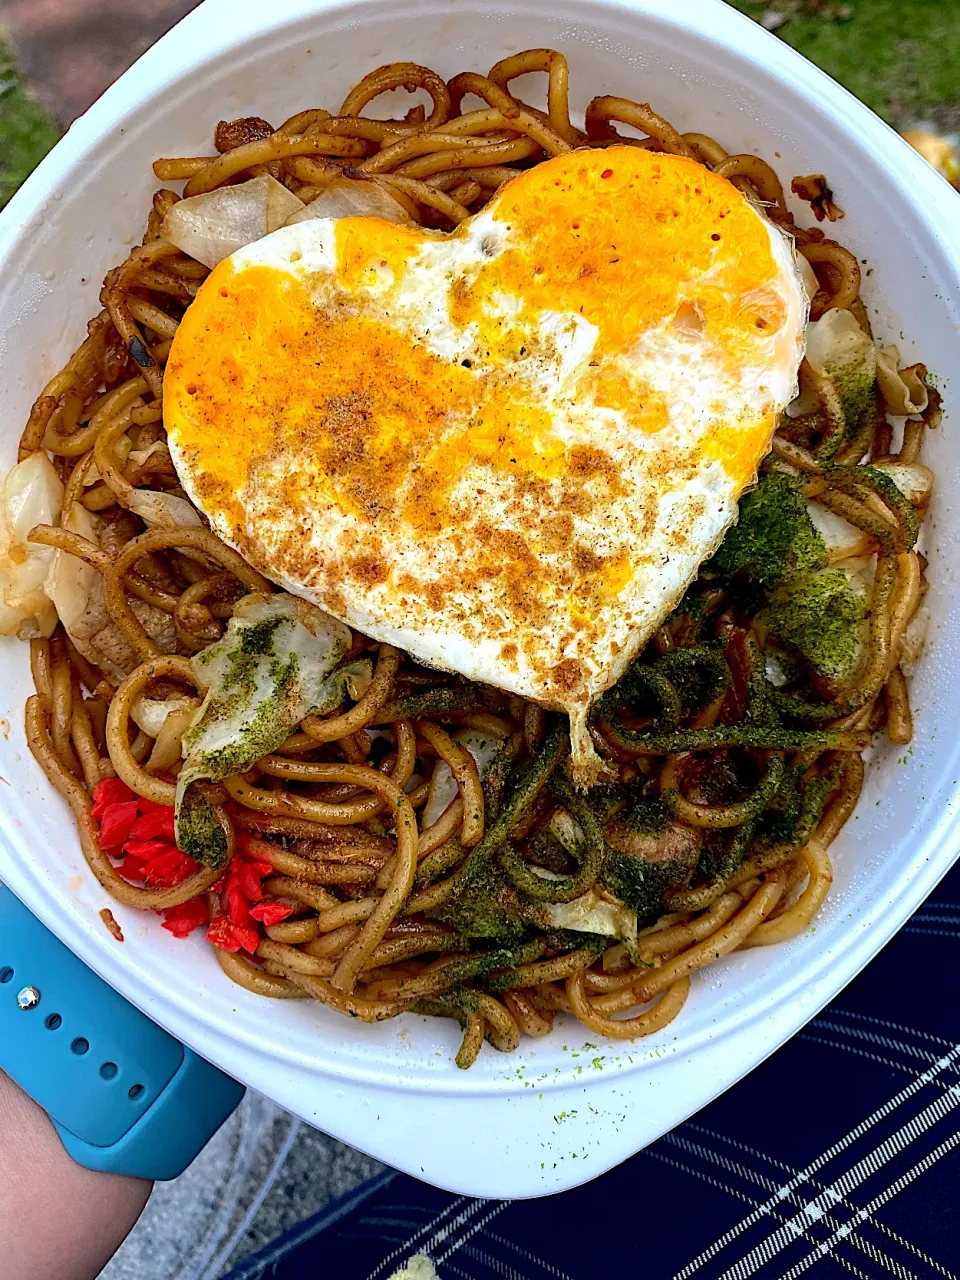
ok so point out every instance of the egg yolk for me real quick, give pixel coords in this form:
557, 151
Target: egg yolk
626, 239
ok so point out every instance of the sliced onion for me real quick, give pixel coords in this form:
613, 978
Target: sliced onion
150, 714
168, 747
211, 226
353, 198
72, 583
903, 390
443, 785
808, 276
139, 456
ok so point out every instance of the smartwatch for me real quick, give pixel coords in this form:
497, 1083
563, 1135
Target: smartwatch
124, 1096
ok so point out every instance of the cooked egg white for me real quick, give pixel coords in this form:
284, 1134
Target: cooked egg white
507, 449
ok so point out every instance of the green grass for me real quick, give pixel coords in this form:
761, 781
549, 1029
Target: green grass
27, 130
901, 57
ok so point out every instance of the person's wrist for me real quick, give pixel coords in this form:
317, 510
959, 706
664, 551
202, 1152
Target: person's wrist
56, 1218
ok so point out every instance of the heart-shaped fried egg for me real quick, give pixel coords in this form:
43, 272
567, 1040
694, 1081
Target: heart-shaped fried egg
508, 449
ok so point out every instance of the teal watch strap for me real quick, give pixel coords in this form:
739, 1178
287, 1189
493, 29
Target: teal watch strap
124, 1096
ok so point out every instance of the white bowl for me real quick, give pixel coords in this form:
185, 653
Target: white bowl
564, 1109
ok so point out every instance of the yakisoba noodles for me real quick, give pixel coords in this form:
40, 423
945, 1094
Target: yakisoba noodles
734, 742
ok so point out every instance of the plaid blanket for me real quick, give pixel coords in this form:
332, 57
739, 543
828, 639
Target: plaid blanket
839, 1155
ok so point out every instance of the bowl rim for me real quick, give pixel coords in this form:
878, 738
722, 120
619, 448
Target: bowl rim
218, 26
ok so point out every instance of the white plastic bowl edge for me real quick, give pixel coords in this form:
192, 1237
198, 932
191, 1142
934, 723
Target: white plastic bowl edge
567, 1108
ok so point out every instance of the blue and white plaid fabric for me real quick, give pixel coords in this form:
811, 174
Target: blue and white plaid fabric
840, 1155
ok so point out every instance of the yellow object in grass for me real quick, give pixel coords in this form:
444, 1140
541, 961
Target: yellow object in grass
938, 152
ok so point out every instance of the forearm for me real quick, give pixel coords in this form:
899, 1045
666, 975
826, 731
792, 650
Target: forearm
56, 1219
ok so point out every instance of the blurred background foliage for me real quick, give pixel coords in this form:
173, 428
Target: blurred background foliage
27, 130
901, 57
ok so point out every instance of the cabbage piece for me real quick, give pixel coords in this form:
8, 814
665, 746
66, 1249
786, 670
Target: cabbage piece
30, 494
353, 198
840, 538
211, 226
804, 403
820, 616
443, 785
914, 480
125, 452
594, 912
838, 349
844, 541
275, 664
122, 448
903, 390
